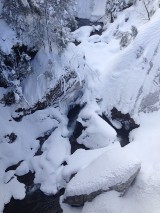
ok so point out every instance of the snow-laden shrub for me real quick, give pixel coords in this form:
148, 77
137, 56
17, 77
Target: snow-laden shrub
15, 67
8, 99
126, 37
38, 22
115, 6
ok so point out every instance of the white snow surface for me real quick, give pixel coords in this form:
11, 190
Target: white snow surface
82, 158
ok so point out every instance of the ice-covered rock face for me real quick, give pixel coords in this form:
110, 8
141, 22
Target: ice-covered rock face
114, 170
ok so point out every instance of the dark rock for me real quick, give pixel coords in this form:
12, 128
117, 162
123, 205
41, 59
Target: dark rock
13, 167
79, 200
76, 126
75, 145
43, 138
64, 163
8, 99
11, 137
128, 124
125, 119
27, 179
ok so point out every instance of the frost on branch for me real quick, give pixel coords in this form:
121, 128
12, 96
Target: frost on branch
14, 68
115, 6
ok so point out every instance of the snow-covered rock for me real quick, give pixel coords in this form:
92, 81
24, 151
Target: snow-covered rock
114, 170
97, 133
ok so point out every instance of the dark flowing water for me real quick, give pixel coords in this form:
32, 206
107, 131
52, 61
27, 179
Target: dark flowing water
36, 202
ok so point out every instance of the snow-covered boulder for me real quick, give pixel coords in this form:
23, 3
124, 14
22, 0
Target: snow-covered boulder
114, 170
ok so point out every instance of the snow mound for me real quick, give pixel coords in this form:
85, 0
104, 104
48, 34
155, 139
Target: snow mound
82, 33
114, 170
98, 133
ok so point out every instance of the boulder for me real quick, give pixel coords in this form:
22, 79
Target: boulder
114, 170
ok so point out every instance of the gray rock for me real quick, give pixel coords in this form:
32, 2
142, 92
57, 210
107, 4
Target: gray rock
79, 200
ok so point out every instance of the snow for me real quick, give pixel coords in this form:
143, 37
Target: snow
123, 68
82, 33
112, 203
108, 170
82, 158
46, 166
127, 97
108, 76
7, 37
37, 81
